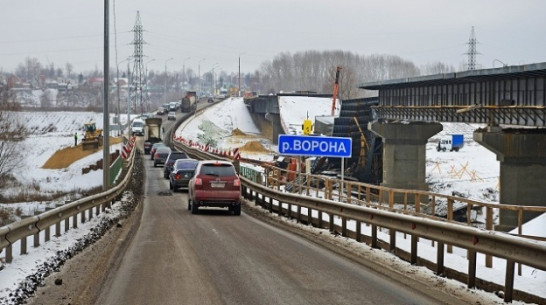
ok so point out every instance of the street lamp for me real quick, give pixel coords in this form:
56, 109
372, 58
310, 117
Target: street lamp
146, 75
240, 74
119, 98
199, 74
212, 86
165, 93
184, 70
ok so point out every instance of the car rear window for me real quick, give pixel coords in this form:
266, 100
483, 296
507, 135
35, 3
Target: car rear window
177, 155
186, 165
219, 170
163, 150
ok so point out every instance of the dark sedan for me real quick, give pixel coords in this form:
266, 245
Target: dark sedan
161, 154
154, 147
173, 156
182, 172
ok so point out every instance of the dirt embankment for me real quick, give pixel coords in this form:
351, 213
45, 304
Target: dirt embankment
66, 156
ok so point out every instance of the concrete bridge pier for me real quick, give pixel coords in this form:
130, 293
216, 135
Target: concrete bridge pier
404, 153
522, 156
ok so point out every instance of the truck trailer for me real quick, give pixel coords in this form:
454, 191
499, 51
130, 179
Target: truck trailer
152, 133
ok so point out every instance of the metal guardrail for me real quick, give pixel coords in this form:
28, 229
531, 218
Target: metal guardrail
32, 226
512, 248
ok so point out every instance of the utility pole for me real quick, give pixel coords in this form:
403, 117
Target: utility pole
239, 75
199, 75
106, 112
165, 92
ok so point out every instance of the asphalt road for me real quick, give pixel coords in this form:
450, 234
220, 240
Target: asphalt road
217, 258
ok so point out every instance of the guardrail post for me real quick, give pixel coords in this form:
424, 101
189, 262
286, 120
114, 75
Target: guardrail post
413, 255
331, 225
298, 213
90, 213
23, 245
279, 208
75, 221
309, 216
37, 239
270, 204
374, 237
289, 212
66, 225
489, 226
392, 240
440, 258
319, 223
509, 281
9, 254
449, 219
47, 233
58, 229
471, 268
82, 218
358, 231
343, 226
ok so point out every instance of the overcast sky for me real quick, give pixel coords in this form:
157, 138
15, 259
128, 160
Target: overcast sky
218, 32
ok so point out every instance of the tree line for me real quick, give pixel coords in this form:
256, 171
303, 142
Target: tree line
315, 71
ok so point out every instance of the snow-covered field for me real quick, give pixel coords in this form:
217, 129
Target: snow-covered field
473, 171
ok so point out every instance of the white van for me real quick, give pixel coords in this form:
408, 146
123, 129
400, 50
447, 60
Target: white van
137, 127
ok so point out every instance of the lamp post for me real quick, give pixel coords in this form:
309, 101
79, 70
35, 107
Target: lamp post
119, 98
212, 86
199, 74
165, 93
146, 76
240, 74
184, 71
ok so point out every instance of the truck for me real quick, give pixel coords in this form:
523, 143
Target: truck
152, 133
189, 102
452, 142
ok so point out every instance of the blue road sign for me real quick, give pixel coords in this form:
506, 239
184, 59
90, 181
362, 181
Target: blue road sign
315, 146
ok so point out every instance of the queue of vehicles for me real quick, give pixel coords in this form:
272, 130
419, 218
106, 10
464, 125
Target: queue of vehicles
209, 183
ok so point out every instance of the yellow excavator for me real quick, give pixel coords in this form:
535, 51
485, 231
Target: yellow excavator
92, 138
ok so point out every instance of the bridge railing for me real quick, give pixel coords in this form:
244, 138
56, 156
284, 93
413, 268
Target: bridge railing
322, 213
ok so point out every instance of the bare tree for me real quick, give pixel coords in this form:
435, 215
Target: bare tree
12, 133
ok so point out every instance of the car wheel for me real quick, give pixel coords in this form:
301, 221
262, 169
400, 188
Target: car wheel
189, 204
237, 210
194, 208
444, 149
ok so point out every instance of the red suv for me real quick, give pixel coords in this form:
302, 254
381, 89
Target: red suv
215, 184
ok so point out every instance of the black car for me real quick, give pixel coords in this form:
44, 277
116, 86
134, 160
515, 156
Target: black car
182, 172
210, 100
173, 156
161, 154
148, 144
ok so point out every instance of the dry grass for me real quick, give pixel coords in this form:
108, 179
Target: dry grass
64, 157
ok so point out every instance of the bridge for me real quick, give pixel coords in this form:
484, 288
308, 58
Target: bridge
509, 101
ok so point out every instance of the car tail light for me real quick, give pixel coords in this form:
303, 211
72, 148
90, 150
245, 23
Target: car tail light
156, 155
177, 176
198, 181
236, 182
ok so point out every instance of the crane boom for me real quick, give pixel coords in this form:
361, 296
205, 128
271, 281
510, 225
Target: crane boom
336, 90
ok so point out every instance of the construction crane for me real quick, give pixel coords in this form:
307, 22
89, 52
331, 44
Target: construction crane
336, 90
363, 145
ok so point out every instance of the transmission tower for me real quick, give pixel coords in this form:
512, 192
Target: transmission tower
138, 58
472, 52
